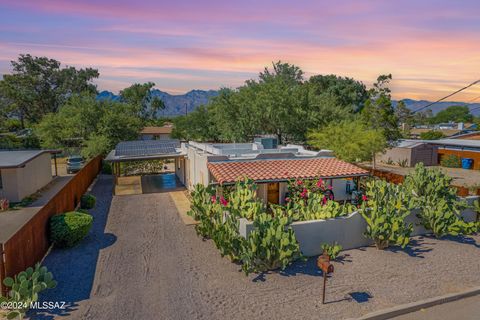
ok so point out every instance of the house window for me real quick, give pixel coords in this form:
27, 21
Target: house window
1, 182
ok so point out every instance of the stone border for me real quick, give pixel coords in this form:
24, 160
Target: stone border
418, 305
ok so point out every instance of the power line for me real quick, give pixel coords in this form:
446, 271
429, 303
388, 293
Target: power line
459, 90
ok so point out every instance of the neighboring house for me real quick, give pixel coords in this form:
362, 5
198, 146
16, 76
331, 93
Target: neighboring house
462, 148
410, 152
448, 129
24, 172
431, 152
157, 133
270, 166
474, 135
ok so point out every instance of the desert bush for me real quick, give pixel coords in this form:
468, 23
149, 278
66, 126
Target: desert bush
332, 249
385, 212
87, 201
451, 161
24, 289
68, 229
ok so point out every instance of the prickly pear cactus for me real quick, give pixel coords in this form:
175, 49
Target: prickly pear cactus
317, 207
430, 191
385, 212
25, 287
243, 201
271, 245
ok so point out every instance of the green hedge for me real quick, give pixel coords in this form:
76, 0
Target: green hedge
87, 201
451, 161
68, 229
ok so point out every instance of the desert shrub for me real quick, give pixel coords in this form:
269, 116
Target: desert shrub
68, 229
332, 249
451, 161
432, 135
24, 289
271, 244
87, 201
385, 212
106, 167
142, 167
439, 208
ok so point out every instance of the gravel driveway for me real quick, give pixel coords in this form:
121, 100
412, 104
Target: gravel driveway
142, 262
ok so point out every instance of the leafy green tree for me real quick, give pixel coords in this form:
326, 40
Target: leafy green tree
198, 125
349, 93
38, 86
453, 113
432, 135
379, 112
88, 124
141, 97
403, 114
349, 140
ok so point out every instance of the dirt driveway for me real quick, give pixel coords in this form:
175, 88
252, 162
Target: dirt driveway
141, 262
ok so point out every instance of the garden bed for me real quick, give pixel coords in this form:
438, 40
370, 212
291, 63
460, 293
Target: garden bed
347, 231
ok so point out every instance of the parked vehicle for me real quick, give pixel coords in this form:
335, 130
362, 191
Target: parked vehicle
74, 164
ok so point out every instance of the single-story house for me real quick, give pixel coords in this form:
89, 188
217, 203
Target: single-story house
449, 130
157, 133
271, 168
269, 165
24, 172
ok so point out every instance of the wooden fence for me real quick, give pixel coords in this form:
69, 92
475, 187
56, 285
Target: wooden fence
398, 178
30, 243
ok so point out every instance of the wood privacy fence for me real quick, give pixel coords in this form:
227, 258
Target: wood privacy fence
398, 178
30, 243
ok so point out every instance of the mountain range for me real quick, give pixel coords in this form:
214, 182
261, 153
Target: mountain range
176, 105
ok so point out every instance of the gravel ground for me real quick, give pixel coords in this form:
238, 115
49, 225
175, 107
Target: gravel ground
144, 263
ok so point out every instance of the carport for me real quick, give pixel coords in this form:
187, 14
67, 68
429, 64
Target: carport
147, 150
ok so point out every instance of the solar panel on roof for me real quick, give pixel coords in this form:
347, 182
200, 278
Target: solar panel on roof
146, 147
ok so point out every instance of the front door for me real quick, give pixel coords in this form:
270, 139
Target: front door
273, 192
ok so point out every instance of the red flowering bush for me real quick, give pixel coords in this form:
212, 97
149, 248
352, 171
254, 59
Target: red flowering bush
299, 190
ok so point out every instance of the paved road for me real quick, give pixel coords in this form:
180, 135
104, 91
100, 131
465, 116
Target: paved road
465, 309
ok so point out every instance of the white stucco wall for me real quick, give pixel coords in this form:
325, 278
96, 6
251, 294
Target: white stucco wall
19, 183
197, 168
346, 231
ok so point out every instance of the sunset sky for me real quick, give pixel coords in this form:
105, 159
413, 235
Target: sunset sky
431, 47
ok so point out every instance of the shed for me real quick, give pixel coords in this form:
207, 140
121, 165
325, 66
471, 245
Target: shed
24, 172
409, 153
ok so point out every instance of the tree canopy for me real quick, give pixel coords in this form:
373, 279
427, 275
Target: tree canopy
39, 85
280, 102
349, 140
453, 113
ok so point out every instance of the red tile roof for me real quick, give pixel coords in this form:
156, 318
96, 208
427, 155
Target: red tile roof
282, 170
